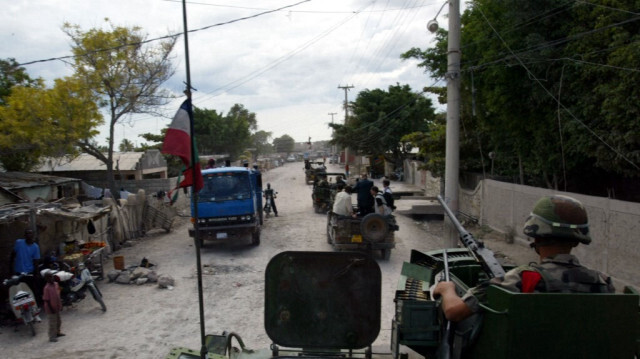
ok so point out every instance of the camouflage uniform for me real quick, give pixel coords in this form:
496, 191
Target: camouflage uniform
561, 273
557, 218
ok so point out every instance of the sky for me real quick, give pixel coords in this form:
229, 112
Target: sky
285, 66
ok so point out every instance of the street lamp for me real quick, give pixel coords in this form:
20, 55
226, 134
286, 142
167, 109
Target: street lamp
452, 158
432, 25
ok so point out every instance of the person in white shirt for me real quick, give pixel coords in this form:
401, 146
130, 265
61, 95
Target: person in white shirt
342, 204
380, 203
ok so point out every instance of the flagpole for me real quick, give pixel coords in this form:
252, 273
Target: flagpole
194, 193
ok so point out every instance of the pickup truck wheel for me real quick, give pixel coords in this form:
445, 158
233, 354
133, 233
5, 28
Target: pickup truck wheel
374, 227
386, 254
329, 232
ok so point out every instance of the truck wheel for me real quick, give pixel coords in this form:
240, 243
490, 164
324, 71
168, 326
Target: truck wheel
386, 254
255, 238
374, 227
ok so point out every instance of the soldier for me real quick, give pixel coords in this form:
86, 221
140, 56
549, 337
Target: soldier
557, 224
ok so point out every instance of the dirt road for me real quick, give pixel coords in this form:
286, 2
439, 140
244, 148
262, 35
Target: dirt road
146, 321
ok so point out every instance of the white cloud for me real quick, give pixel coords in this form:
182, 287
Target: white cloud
285, 66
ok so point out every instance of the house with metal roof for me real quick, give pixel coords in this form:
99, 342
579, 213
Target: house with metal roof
32, 187
126, 166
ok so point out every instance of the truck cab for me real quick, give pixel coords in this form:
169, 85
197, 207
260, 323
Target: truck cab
229, 206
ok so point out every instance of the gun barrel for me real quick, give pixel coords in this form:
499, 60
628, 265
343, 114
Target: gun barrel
445, 258
488, 260
452, 217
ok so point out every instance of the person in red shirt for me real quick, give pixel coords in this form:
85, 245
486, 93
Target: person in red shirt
53, 307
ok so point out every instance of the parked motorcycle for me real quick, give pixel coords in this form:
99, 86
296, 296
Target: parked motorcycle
23, 302
74, 283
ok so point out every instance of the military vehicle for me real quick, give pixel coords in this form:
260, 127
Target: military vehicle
311, 169
327, 305
371, 233
325, 187
317, 305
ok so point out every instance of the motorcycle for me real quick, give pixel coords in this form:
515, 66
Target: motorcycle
267, 205
74, 283
23, 303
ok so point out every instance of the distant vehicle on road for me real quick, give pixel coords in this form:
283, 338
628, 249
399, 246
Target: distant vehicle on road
229, 205
291, 158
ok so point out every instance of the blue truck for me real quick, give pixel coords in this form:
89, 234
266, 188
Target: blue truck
229, 205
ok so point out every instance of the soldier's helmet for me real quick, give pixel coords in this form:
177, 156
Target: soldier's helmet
558, 217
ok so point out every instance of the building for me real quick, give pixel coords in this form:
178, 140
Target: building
32, 187
127, 166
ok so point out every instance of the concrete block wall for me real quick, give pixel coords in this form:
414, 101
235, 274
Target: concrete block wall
614, 224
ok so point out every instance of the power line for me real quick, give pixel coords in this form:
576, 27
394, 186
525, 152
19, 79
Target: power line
165, 37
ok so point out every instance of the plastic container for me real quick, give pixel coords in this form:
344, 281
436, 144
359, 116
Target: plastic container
118, 262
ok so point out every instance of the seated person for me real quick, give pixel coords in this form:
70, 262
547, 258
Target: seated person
342, 204
557, 224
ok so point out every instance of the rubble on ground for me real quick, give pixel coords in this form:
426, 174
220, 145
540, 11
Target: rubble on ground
140, 275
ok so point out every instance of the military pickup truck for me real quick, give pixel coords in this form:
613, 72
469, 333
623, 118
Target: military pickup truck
373, 232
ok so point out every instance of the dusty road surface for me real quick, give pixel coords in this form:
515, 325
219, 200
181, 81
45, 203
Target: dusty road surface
144, 321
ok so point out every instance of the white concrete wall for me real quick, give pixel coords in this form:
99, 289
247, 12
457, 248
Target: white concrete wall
614, 224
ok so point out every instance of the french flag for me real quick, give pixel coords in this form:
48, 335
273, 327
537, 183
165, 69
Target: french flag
178, 142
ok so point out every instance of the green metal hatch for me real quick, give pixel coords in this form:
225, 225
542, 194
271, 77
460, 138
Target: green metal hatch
322, 300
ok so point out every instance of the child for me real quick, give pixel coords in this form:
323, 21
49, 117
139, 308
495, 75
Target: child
53, 307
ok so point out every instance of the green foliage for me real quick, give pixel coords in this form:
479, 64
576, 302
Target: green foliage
37, 122
13, 75
284, 144
126, 146
123, 72
381, 118
554, 85
260, 142
431, 144
155, 140
218, 133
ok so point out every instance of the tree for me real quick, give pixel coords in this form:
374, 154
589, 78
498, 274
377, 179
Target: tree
13, 75
260, 141
218, 133
126, 146
37, 122
431, 144
123, 72
284, 143
381, 118
549, 89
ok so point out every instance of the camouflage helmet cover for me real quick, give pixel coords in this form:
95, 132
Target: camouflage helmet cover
560, 217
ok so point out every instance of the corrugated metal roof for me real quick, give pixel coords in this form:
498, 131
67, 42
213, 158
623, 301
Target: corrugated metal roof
125, 161
15, 180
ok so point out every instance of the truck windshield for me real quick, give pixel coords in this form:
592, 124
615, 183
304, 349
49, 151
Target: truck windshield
225, 186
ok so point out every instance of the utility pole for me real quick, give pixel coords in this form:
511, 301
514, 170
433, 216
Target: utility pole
452, 156
331, 114
334, 148
346, 116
